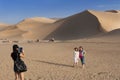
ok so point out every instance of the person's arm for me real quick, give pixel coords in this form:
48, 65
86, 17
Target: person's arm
74, 54
22, 55
84, 52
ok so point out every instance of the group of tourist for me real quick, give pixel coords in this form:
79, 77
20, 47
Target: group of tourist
20, 66
79, 54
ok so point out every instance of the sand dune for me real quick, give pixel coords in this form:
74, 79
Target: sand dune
11, 32
113, 11
43, 19
3, 26
115, 32
39, 19
35, 27
109, 21
113, 35
31, 28
32, 23
86, 24
77, 26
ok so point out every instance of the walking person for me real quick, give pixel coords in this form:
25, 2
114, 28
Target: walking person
19, 65
76, 56
82, 53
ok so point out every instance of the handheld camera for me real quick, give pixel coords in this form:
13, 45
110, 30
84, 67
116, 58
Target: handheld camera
20, 50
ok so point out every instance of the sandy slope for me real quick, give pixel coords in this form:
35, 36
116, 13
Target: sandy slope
37, 29
31, 28
108, 20
112, 36
3, 26
11, 32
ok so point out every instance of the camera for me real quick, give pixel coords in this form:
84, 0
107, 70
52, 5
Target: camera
20, 50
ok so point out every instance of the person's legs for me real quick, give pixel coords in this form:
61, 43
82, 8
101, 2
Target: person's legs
83, 62
21, 76
75, 62
16, 76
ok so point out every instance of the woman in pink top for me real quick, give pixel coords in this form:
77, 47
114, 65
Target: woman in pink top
82, 55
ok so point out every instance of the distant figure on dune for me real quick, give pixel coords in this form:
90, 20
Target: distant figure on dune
19, 65
82, 53
76, 56
52, 40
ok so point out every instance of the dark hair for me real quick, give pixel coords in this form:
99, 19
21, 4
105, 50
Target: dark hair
15, 46
75, 48
80, 47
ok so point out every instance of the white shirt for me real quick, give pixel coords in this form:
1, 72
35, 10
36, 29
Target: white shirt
76, 54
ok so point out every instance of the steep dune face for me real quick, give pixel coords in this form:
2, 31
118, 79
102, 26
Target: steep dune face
77, 26
108, 20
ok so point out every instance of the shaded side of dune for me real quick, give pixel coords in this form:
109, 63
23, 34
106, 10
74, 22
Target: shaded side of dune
112, 34
78, 26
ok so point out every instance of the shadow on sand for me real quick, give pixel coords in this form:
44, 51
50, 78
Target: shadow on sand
52, 63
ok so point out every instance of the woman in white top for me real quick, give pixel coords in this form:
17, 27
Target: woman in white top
76, 56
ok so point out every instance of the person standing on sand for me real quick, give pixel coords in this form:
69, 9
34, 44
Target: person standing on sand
82, 56
16, 55
76, 56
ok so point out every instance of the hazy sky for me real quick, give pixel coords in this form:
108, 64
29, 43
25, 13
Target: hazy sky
13, 11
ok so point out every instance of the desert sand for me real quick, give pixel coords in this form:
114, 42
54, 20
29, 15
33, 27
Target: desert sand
54, 61
97, 31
